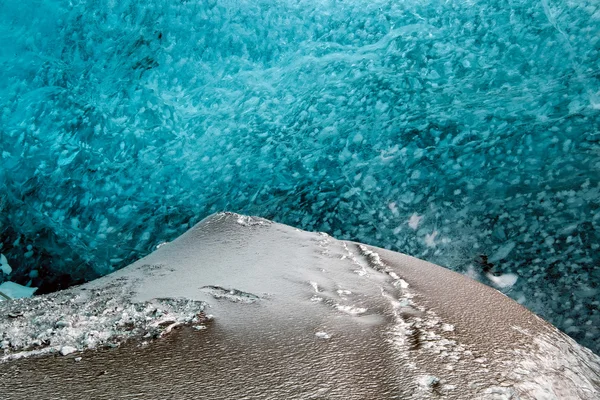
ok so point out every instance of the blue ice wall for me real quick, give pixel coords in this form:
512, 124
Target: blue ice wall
462, 132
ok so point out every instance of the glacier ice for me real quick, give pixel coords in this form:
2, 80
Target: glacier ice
446, 130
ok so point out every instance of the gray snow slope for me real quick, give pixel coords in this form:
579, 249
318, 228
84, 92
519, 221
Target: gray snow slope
241, 307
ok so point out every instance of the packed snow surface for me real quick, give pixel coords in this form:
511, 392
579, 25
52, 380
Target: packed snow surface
464, 133
293, 314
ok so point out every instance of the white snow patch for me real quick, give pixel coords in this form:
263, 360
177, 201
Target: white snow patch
428, 381
322, 335
351, 310
503, 281
66, 350
414, 221
245, 220
555, 368
430, 239
315, 286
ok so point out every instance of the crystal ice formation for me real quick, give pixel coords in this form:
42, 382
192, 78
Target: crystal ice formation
122, 123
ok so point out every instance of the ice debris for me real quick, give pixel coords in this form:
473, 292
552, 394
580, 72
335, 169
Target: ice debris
13, 290
66, 350
322, 335
428, 381
76, 320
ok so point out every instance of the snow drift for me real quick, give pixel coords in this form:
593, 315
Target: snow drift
279, 313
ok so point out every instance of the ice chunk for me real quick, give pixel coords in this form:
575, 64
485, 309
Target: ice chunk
428, 381
4, 266
322, 335
414, 221
430, 239
503, 252
66, 350
15, 291
413, 326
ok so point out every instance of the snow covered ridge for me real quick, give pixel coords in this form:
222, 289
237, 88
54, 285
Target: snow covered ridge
324, 316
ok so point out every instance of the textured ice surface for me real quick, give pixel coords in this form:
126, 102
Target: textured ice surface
465, 133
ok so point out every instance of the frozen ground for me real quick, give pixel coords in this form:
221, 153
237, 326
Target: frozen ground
293, 315
462, 132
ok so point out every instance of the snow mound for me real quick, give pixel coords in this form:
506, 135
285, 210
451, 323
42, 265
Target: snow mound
385, 325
